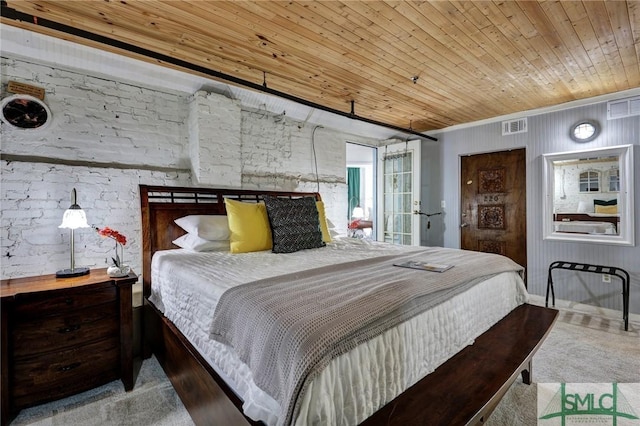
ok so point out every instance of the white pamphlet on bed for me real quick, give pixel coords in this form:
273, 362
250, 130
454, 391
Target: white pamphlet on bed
424, 266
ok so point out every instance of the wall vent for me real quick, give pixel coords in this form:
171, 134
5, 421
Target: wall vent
621, 108
512, 127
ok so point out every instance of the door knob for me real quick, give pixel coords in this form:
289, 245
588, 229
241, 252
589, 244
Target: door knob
464, 225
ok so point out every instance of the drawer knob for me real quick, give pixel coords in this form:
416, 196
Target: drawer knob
69, 367
69, 329
69, 301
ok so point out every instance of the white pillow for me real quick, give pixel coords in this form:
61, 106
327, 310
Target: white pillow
194, 243
584, 207
208, 227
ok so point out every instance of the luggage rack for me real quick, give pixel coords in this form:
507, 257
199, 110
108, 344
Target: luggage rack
597, 269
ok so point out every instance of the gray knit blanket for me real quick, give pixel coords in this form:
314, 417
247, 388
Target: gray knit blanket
288, 328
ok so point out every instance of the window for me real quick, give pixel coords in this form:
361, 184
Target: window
590, 181
614, 180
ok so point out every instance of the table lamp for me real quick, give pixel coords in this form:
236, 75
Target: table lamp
358, 212
74, 217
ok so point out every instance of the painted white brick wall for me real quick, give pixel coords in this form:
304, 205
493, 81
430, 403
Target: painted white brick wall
567, 194
279, 152
35, 196
140, 135
95, 119
194, 138
214, 138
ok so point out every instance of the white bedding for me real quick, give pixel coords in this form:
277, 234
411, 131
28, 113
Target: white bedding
186, 287
585, 227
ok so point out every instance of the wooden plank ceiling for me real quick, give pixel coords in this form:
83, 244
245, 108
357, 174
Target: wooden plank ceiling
419, 65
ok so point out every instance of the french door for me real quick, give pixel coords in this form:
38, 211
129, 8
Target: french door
399, 193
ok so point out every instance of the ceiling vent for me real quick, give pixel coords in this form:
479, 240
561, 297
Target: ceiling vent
621, 108
512, 127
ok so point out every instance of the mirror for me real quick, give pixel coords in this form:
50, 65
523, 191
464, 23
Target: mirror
589, 196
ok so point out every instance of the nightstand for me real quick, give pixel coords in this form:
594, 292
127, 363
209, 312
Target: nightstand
61, 336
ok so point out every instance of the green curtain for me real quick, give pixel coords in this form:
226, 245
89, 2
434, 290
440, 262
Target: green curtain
353, 185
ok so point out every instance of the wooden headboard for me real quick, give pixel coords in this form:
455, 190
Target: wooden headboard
161, 205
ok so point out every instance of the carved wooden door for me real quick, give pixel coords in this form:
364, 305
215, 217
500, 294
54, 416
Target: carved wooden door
493, 204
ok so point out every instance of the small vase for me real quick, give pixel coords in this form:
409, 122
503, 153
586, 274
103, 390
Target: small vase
115, 271
118, 271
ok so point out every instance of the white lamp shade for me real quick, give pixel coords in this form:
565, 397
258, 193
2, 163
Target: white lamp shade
74, 219
358, 212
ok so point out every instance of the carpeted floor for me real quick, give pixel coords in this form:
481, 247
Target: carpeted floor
152, 402
586, 345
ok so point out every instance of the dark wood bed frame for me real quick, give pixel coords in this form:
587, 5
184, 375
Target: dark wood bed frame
463, 390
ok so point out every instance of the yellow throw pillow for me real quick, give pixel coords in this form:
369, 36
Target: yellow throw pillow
326, 235
606, 209
248, 226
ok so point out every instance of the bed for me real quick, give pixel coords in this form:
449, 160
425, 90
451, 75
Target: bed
587, 223
585, 227
359, 384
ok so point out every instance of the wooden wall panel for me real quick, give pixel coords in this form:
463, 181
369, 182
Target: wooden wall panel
472, 60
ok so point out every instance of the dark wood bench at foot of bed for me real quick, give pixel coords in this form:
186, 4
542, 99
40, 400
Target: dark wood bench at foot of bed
464, 390
467, 388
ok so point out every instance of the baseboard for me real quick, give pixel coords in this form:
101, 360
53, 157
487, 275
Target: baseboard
535, 299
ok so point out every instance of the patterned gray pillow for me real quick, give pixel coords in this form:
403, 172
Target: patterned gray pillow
294, 223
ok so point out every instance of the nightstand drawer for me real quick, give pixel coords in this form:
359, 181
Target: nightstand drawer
29, 306
35, 379
57, 332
